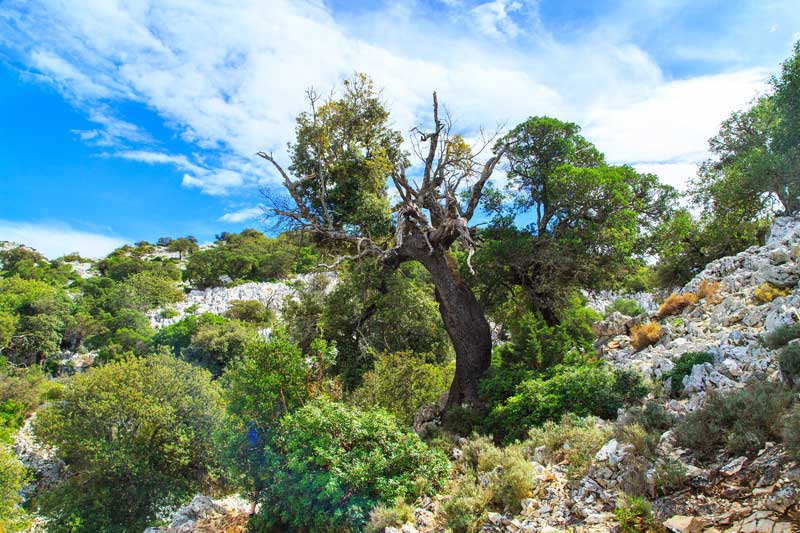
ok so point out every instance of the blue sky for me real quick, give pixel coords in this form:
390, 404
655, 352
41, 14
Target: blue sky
123, 121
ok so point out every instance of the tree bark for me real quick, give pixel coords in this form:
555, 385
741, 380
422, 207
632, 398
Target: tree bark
466, 324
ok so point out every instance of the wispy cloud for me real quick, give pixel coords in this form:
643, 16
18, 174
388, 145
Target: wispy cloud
242, 215
239, 92
57, 239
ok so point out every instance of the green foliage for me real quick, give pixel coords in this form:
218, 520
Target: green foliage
509, 476
756, 158
215, 344
782, 335
635, 515
178, 336
626, 306
183, 246
572, 440
334, 463
143, 291
590, 220
791, 431
652, 416
789, 363
356, 128
126, 261
683, 367
32, 318
137, 434
251, 311
741, 421
583, 390
468, 502
383, 516
268, 382
402, 382
12, 478
249, 255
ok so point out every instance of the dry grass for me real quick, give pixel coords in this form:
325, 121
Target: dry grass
675, 303
643, 335
768, 292
708, 290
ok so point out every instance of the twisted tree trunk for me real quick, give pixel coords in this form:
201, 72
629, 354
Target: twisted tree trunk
467, 327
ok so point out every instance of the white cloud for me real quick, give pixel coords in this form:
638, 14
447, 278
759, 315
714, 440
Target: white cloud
246, 213
494, 18
239, 91
57, 239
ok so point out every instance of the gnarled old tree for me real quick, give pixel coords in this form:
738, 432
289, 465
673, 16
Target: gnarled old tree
344, 157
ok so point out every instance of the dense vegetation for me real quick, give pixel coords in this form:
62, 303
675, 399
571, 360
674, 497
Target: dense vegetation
307, 409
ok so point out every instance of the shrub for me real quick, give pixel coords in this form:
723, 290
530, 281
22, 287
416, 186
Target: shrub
708, 290
383, 516
789, 363
402, 382
573, 440
12, 479
216, 344
333, 463
137, 434
626, 306
675, 303
644, 441
741, 421
791, 431
644, 335
584, 390
782, 335
651, 416
670, 476
683, 367
463, 510
168, 313
251, 311
635, 515
767, 292
509, 476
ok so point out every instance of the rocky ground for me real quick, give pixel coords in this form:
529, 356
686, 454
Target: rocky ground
217, 300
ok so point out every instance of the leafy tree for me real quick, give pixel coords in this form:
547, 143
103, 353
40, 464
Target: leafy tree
137, 434
183, 245
344, 154
178, 336
755, 167
590, 220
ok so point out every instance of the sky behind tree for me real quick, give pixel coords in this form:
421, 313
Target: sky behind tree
125, 121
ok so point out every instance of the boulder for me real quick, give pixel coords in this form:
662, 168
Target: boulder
615, 324
781, 276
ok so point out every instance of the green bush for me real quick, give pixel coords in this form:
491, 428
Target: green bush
741, 421
215, 344
463, 510
652, 416
402, 382
683, 367
383, 516
789, 363
584, 390
137, 434
782, 335
572, 440
12, 478
251, 311
635, 515
626, 306
791, 431
333, 463
509, 476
